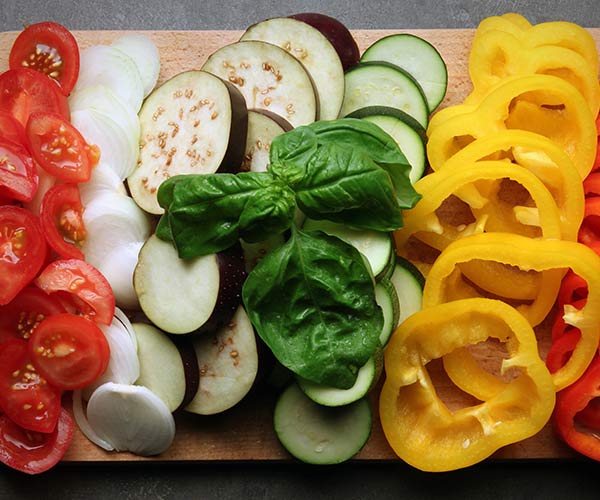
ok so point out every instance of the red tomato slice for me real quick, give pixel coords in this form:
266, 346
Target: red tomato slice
11, 129
34, 452
86, 286
49, 48
24, 91
69, 351
62, 220
59, 148
18, 175
25, 396
22, 250
25, 312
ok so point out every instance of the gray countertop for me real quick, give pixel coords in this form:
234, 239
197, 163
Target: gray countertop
253, 481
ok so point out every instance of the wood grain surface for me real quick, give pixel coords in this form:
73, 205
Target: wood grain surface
245, 433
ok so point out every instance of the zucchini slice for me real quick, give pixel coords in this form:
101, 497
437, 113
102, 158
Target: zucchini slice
405, 130
419, 58
384, 84
319, 434
376, 246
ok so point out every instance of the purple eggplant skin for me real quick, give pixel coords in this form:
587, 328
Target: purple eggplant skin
232, 274
190, 368
339, 36
236, 148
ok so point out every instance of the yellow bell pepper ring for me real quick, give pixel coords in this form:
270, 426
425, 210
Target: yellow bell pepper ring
444, 284
497, 55
554, 33
543, 104
420, 428
484, 208
540, 156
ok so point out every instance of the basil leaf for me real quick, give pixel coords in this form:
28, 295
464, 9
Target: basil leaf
312, 301
208, 213
270, 211
378, 144
346, 186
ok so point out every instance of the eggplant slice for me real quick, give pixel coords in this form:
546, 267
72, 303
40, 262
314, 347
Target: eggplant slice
195, 123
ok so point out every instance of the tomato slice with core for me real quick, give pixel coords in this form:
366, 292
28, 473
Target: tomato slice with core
22, 250
69, 351
24, 91
49, 48
34, 452
18, 175
59, 148
86, 287
25, 312
62, 220
25, 396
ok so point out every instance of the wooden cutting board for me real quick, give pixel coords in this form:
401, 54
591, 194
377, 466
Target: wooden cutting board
246, 432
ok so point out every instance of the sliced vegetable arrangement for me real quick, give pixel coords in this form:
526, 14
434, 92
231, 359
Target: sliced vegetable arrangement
295, 197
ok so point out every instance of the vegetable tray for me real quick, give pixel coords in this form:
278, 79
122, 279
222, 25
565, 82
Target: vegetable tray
246, 431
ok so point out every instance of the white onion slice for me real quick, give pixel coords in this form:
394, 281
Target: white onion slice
84, 425
105, 65
103, 100
118, 147
124, 365
118, 267
145, 55
122, 317
103, 179
131, 418
111, 221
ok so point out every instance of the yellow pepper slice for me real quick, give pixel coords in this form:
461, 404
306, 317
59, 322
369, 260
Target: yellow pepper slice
444, 283
480, 184
540, 156
543, 104
497, 55
558, 33
420, 428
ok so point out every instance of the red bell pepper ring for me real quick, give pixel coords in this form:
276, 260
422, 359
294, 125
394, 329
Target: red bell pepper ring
570, 402
561, 349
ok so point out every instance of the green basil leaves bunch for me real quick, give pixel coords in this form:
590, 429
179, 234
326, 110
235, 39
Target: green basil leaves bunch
346, 170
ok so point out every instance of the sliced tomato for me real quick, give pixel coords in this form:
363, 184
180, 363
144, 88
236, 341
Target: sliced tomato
49, 48
25, 312
11, 129
18, 175
86, 287
34, 452
69, 351
62, 220
59, 148
24, 91
25, 396
22, 250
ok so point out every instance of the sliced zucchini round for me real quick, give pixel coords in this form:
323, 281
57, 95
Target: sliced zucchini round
405, 130
376, 246
408, 282
269, 78
387, 298
384, 84
367, 377
319, 434
419, 58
